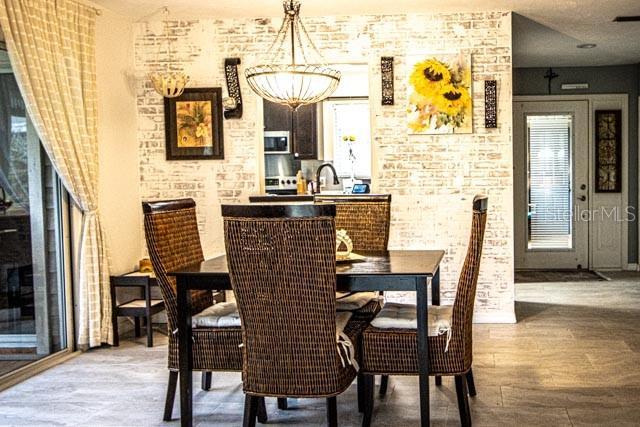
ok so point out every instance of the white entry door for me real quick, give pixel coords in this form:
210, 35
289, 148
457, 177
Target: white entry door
551, 159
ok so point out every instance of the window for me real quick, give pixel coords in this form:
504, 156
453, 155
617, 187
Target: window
347, 129
550, 181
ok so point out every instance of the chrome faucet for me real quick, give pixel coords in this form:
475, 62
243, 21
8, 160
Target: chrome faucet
336, 181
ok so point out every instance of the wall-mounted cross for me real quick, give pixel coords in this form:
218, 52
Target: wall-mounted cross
550, 75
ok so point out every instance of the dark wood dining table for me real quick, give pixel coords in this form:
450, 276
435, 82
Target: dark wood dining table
396, 270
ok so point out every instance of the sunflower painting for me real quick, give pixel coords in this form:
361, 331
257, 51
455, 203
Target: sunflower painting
194, 123
440, 95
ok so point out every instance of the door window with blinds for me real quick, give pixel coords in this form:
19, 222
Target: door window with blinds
549, 173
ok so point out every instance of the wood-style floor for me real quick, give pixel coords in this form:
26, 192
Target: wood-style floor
572, 359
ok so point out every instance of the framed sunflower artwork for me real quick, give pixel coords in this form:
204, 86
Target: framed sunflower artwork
193, 125
439, 98
608, 151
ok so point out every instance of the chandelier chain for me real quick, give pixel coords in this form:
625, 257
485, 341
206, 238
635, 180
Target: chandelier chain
168, 38
311, 43
168, 84
281, 36
302, 50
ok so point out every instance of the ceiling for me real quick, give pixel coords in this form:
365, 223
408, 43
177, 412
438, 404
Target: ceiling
546, 32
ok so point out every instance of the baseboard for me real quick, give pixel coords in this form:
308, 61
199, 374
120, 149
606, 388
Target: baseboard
494, 317
632, 267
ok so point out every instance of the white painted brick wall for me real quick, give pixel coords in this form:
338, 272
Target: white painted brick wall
432, 178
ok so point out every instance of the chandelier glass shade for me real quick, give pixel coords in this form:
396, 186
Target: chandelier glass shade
169, 84
283, 80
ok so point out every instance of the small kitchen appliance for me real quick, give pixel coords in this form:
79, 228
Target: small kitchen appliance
276, 142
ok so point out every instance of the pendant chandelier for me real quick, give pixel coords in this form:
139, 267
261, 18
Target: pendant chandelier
285, 81
167, 83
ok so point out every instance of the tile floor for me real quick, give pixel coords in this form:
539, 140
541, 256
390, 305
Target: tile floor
572, 359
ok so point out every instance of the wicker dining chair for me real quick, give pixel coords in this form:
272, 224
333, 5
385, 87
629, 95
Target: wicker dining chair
393, 351
173, 242
366, 218
282, 265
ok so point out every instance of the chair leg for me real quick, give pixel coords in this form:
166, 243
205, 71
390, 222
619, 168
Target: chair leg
471, 386
384, 384
369, 384
438, 380
463, 401
149, 325
282, 403
250, 410
116, 334
136, 326
332, 412
171, 395
206, 381
262, 411
360, 383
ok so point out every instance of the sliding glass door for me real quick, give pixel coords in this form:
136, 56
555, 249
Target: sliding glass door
32, 292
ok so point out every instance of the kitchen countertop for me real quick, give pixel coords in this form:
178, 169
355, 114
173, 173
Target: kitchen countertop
266, 198
281, 198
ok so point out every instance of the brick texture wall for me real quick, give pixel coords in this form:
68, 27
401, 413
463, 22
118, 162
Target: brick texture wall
432, 178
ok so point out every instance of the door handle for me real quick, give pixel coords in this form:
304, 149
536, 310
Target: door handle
582, 198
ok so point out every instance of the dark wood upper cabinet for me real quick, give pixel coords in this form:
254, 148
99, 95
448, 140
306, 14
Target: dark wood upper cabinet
303, 127
305, 142
276, 117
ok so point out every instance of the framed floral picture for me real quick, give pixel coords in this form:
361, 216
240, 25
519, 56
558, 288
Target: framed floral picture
193, 125
439, 98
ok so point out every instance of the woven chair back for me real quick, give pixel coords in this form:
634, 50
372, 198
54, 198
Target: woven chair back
366, 219
283, 274
173, 241
461, 339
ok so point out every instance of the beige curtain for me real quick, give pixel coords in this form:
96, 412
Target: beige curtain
51, 45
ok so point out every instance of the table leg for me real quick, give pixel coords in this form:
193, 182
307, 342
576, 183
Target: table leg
435, 300
185, 354
423, 348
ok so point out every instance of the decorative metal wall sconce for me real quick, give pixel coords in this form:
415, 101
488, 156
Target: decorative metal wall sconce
233, 110
490, 104
386, 66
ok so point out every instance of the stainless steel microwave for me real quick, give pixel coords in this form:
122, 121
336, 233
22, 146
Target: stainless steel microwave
277, 142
